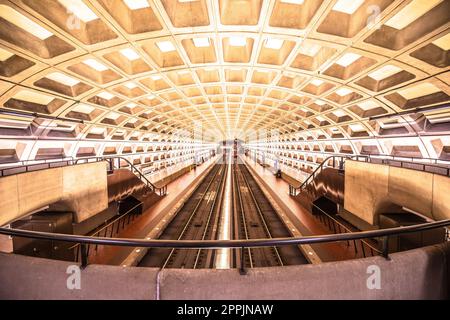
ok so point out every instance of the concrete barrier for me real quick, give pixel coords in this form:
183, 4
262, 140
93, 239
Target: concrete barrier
417, 274
80, 189
373, 189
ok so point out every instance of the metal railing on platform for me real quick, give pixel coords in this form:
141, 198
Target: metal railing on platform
84, 241
362, 246
114, 162
436, 166
108, 230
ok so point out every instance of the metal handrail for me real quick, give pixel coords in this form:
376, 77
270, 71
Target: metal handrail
393, 157
293, 191
72, 161
107, 225
346, 229
110, 159
389, 161
20, 163
214, 244
26, 164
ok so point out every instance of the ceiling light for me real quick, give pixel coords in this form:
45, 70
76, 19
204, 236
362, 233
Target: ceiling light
83, 108
62, 78
368, 105
289, 75
343, 92
137, 4
130, 85
80, 9
130, 54
298, 2
34, 97
275, 44
347, 59
317, 82
309, 49
94, 64
320, 118
443, 42
24, 23
410, 13
155, 77
356, 128
113, 116
131, 105
165, 46
105, 95
339, 113
320, 102
5, 55
347, 6
201, 42
419, 90
384, 72
237, 41
97, 130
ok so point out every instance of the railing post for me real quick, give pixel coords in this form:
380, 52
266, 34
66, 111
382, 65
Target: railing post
84, 257
385, 248
242, 270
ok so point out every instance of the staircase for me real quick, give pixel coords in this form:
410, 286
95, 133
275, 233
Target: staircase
328, 179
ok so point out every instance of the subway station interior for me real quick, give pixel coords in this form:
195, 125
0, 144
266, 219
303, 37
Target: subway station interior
224, 149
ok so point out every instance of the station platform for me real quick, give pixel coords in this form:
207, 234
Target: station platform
141, 226
302, 219
167, 175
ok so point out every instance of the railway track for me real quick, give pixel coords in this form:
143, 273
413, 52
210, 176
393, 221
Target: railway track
255, 218
196, 220
252, 217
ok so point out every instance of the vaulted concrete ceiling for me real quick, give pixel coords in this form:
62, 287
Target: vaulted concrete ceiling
312, 69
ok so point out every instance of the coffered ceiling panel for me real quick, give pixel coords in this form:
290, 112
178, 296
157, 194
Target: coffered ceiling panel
318, 68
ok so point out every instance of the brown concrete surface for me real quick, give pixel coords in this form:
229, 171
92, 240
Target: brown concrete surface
303, 220
85, 189
147, 223
24, 277
80, 188
417, 274
373, 189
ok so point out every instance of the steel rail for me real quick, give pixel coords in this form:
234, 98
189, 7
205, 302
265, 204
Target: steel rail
219, 189
214, 244
191, 217
242, 216
260, 214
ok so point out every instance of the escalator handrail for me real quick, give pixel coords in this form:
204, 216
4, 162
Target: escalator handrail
162, 190
319, 168
367, 158
74, 161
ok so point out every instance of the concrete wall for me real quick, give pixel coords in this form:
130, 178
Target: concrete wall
416, 274
81, 189
372, 189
